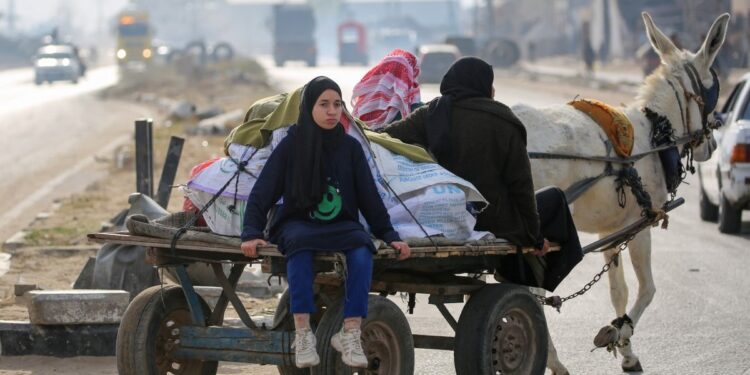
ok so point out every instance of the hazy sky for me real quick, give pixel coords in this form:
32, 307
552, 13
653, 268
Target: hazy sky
39, 15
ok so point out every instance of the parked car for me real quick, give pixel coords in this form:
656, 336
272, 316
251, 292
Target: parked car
725, 178
435, 59
57, 63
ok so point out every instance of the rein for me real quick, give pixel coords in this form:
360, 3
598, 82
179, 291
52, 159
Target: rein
686, 139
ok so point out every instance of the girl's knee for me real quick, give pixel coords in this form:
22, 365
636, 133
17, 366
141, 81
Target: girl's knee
359, 257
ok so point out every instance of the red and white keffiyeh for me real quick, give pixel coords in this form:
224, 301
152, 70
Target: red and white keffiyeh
389, 88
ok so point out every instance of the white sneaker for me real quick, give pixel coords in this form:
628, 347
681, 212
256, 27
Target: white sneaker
349, 344
305, 354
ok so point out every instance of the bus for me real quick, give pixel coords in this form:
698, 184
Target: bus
133, 37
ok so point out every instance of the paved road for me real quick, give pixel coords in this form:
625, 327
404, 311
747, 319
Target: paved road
50, 133
698, 321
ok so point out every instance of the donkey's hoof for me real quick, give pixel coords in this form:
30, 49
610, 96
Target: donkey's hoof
561, 373
607, 335
634, 368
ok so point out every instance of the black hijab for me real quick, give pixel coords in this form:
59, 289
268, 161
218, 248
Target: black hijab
310, 142
469, 77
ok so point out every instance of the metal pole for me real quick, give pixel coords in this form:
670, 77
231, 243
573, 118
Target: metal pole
144, 160
169, 171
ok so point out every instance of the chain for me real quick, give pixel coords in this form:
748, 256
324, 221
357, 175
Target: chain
556, 301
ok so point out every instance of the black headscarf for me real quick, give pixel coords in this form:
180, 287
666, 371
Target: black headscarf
310, 142
469, 77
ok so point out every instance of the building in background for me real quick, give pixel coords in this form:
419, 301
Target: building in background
248, 24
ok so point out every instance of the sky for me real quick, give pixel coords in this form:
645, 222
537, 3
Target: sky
39, 16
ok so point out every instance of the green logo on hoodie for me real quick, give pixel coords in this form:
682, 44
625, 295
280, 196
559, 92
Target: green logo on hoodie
329, 206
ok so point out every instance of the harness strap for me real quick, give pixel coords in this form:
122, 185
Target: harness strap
608, 159
679, 102
578, 188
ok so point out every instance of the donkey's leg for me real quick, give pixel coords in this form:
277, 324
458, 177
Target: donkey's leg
618, 293
640, 255
618, 289
553, 362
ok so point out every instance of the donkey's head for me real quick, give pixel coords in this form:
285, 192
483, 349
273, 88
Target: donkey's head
690, 88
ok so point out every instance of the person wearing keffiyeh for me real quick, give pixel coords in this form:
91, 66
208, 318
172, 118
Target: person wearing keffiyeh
389, 91
482, 141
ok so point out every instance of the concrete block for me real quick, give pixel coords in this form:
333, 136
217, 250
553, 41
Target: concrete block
20, 289
15, 242
56, 307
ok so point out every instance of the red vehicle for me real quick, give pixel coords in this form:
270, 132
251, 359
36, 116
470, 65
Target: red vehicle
352, 39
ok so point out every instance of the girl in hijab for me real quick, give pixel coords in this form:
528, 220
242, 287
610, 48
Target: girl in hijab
389, 91
482, 141
323, 177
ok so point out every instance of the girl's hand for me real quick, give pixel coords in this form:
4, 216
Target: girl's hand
250, 248
403, 249
544, 250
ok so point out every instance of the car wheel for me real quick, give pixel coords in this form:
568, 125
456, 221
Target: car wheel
708, 211
730, 218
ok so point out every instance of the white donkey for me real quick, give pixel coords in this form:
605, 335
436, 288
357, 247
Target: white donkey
672, 91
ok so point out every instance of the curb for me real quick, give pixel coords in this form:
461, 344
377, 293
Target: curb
23, 338
594, 81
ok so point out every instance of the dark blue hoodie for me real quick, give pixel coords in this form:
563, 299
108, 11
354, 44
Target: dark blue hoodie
334, 225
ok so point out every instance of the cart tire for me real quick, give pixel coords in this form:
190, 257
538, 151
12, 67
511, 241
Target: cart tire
501, 330
283, 320
141, 335
386, 337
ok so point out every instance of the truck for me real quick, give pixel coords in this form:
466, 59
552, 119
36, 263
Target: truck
133, 36
294, 34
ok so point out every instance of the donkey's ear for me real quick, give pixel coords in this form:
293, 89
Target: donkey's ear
662, 45
713, 42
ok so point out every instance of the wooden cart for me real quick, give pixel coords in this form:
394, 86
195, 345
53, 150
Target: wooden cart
172, 330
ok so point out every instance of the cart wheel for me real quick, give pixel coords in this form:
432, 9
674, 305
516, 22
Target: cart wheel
146, 330
386, 338
501, 330
283, 320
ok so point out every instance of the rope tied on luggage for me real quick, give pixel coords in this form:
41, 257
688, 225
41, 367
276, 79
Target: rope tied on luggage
235, 177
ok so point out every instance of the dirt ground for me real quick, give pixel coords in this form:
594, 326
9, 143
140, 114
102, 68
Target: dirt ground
36, 365
65, 225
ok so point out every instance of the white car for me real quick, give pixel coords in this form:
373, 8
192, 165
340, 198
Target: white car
57, 63
725, 178
435, 60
